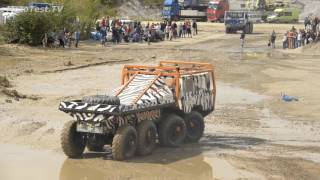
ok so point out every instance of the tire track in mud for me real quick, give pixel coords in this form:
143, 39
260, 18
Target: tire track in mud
87, 65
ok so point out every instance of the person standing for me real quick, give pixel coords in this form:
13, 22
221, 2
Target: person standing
103, 32
167, 31
180, 29
285, 41
299, 38
77, 38
189, 33
195, 27
242, 38
306, 22
184, 30
303, 37
273, 39
61, 38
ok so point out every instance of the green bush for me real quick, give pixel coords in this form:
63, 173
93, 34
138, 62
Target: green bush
156, 3
2, 32
30, 27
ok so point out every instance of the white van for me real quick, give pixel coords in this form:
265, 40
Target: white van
10, 12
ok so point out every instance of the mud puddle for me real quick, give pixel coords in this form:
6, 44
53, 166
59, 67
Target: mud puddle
191, 161
19, 162
229, 94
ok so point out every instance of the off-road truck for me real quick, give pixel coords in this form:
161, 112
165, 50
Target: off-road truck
238, 20
167, 103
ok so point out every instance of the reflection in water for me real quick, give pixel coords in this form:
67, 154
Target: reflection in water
165, 163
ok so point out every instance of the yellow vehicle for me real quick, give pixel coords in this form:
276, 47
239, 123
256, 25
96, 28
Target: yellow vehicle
284, 15
266, 5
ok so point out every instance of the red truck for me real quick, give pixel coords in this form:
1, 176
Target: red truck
216, 10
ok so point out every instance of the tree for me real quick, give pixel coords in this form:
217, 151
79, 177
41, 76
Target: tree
29, 27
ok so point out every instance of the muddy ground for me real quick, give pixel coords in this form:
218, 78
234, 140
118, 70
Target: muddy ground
252, 134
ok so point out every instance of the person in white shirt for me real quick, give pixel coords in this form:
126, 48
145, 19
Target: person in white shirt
299, 38
285, 41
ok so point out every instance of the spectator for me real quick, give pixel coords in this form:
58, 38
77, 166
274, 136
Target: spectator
299, 38
167, 31
188, 25
77, 38
306, 22
103, 32
195, 27
285, 41
61, 38
311, 34
242, 39
273, 39
184, 30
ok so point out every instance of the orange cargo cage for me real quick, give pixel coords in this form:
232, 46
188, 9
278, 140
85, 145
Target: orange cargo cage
169, 69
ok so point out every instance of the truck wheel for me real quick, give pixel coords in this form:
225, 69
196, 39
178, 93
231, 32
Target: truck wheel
101, 99
124, 143
147, 132
246, 29
195, 126
172, 131
72, 142
250, 28
227, 31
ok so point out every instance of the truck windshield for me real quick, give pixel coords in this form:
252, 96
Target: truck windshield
235, 15
215, 6
167, 8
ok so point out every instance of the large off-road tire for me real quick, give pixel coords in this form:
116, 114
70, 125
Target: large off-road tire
124, 143
246, 29
72, 142
147, 134
251, 29
101, 99
228, 30
172, 130
195, 126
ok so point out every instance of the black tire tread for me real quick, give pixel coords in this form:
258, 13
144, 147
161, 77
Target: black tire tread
118, 142
198, 116
101, 99
141, 130
71, 149
167, 120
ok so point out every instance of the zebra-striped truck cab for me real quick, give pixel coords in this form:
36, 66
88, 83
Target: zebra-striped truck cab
167, 103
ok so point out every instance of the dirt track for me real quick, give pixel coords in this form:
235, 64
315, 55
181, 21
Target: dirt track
251, 135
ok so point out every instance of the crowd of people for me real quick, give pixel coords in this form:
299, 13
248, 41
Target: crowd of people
118, 31
64, 38
295, 38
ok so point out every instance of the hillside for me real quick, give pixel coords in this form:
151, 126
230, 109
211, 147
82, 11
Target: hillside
151, 9
309, 7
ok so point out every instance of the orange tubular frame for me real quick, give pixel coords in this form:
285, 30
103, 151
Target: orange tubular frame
173, 69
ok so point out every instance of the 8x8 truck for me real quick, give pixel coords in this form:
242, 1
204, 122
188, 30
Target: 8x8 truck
168, 101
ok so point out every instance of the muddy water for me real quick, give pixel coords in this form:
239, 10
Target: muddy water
18, 162
191, 161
